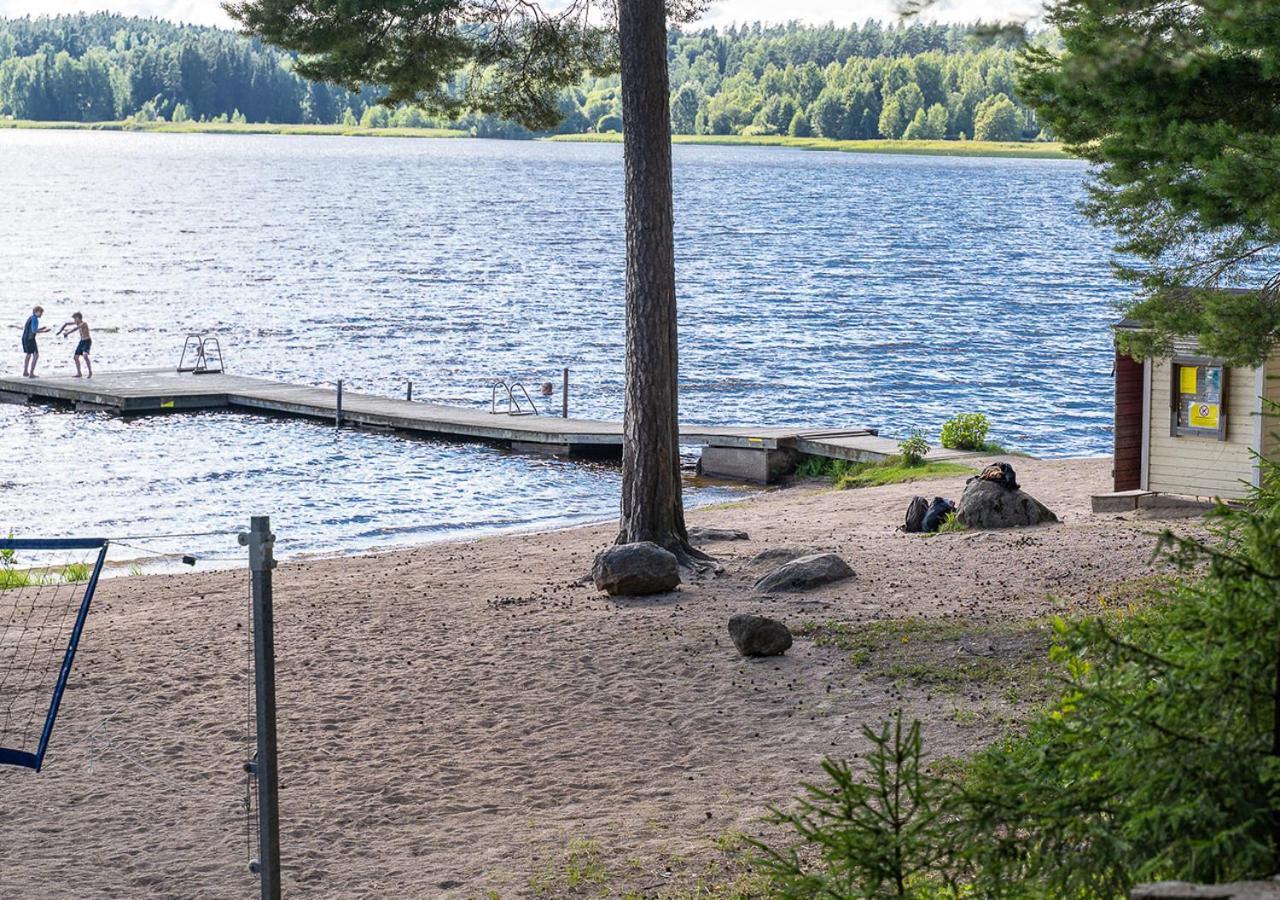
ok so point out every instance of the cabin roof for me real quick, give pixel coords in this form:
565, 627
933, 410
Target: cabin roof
1129, 324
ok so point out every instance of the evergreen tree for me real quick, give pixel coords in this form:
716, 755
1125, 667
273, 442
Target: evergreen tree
1175, 103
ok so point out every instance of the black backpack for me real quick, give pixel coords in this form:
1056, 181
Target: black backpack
915, 515
937, 513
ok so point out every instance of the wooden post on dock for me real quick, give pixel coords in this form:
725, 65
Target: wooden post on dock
337, 409
408, 390
564, 395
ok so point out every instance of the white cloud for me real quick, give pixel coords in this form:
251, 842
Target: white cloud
723, 12
823, 11
199, 12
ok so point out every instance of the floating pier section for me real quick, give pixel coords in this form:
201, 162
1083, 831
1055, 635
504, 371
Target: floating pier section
747, 453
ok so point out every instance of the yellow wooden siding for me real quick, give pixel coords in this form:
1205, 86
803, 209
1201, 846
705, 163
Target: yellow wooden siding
1271, 414
1202, 466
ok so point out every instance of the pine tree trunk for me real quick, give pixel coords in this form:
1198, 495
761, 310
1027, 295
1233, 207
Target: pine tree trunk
652, 508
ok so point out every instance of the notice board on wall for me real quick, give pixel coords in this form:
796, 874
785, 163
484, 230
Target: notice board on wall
1199, 398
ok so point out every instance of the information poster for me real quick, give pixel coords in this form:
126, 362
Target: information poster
1199, 404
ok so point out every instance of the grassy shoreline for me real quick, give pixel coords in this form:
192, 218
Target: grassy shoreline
910, 148
234, 128
1023, 150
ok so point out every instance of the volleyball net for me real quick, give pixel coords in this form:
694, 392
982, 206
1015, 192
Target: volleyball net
46, 587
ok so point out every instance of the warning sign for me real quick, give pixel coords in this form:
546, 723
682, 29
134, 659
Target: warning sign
1204, 415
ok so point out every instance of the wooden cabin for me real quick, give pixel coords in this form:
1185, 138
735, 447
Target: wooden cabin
1188, 425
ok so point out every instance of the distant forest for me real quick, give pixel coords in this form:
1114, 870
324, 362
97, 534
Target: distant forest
918, 81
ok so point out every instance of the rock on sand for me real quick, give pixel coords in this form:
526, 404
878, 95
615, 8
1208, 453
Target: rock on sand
759, 635
635, 569
804, 573
987, 504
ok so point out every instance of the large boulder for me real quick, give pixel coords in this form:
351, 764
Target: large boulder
759, 635
635, 569
988, 504
804, 573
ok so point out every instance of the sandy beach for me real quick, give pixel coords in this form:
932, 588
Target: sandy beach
473, 720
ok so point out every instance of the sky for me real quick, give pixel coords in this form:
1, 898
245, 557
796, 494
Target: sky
842, 12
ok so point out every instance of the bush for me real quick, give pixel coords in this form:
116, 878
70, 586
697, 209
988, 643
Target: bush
966, 431
873, 835
913, 449
609, 123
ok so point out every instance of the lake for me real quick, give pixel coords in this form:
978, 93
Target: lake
820, 289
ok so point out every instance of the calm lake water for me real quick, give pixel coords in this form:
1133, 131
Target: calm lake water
822, 289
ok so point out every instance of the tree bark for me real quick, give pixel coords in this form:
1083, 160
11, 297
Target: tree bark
652, 506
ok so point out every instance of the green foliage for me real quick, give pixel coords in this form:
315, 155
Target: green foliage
928, 126
893, 470
1175, 104
997, 119
886, 833
799, 126
609, 123
685, 102
104, 67
75, 572
965, 431
899, 109
913, 449
950, 524
757, 80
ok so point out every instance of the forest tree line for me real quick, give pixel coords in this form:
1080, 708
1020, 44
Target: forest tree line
918, 81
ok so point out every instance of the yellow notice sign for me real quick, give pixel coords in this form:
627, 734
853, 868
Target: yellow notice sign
166, 404
1204, 415
1187, 380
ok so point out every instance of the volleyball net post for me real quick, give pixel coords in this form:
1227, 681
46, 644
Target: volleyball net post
263, 768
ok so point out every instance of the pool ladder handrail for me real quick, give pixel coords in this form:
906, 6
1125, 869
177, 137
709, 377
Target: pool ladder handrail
513, 402
205, 349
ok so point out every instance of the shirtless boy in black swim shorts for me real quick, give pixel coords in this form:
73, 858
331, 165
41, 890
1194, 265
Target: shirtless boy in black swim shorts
78, 323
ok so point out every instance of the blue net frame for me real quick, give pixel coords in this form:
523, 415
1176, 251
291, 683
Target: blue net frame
34, 760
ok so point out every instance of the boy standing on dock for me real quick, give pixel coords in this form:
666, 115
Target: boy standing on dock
78, 323
29, 346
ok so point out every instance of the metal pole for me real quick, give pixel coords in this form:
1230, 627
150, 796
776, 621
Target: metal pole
408, 390
261, 543
337, 410
564, 395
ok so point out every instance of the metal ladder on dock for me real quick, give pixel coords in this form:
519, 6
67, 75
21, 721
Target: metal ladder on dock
206, 354
514, 407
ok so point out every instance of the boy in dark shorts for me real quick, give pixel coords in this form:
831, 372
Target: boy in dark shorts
29, 346
78, 323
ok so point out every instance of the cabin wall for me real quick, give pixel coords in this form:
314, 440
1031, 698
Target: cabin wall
1127, 462
1270, 427
1202, 466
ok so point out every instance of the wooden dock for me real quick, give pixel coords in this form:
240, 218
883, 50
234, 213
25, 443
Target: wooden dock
748, 453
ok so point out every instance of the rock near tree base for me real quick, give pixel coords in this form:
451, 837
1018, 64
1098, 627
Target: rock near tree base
636, 569
704, 534
759, 635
